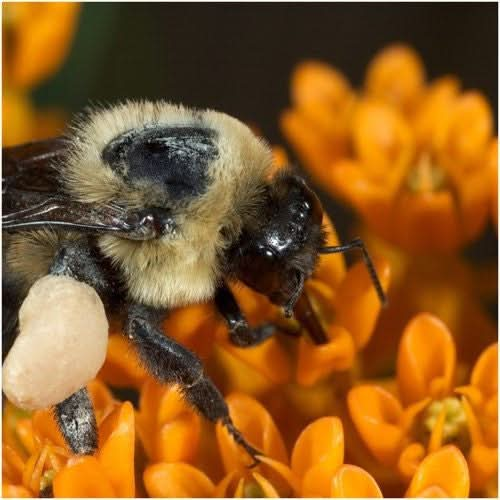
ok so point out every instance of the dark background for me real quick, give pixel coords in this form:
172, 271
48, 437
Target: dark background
238, 57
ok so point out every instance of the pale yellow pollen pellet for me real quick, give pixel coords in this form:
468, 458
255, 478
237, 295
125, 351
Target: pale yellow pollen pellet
62, 341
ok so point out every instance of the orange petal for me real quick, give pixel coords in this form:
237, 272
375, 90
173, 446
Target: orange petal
270, 359
223, 489
14, 491
426, 359
491, 163
396, 75
164, 415
483, 466
178, 441
468, 132
286, 481
18, 118
122, 367
433, 492
116, 454
317, 361
430, 473
12, 464
101, 397
177, 480
485, 373
410, 459
436, 438
351, 481
377, 415
315, 151
40, 39
82, 477
433, 109
258, 428
238, 376
429, 221
266, 487
383, 142
322, 441
45, 427
314, 81
357, 303
317, 454
330, 268
475, 431
194, 327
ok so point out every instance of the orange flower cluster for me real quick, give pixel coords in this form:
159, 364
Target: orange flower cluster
36, 40
417, 161
427, 410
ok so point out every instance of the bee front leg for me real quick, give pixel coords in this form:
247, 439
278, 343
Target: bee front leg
170, 362
240, 333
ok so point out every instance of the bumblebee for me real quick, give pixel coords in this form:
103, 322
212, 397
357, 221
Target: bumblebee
157, 206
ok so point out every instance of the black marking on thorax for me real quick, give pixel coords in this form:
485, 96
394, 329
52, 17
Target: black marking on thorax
176, 158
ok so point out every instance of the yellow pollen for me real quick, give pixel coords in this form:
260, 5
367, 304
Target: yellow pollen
47, 479
425, 176
455, 425
252, 490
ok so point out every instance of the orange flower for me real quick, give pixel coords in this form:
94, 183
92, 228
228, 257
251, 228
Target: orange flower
317, 460
168, 428
177, 480
271, 478
429, 412
37, 38
317, 125
451, 289
396, 75
412, 164
21, 122
348, 314
36, 458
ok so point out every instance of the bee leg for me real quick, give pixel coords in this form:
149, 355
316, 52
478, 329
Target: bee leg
75, 415
76, 419
170, 362
240, 333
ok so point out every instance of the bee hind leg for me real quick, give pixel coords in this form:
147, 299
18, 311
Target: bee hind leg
76, 420
170, 362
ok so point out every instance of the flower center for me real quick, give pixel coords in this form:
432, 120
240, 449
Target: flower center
425, 176
455, 428
252, 490
46, 482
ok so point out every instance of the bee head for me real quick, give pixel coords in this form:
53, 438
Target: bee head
281, 252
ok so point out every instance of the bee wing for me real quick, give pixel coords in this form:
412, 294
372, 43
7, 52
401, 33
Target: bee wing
32, 166
33, 198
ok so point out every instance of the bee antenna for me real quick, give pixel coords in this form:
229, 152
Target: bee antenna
358, 243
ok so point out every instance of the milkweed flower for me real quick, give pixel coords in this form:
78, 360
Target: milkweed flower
318, 463
428, 410
271, 478
37, 461
316, 466
414, 158
37, 40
